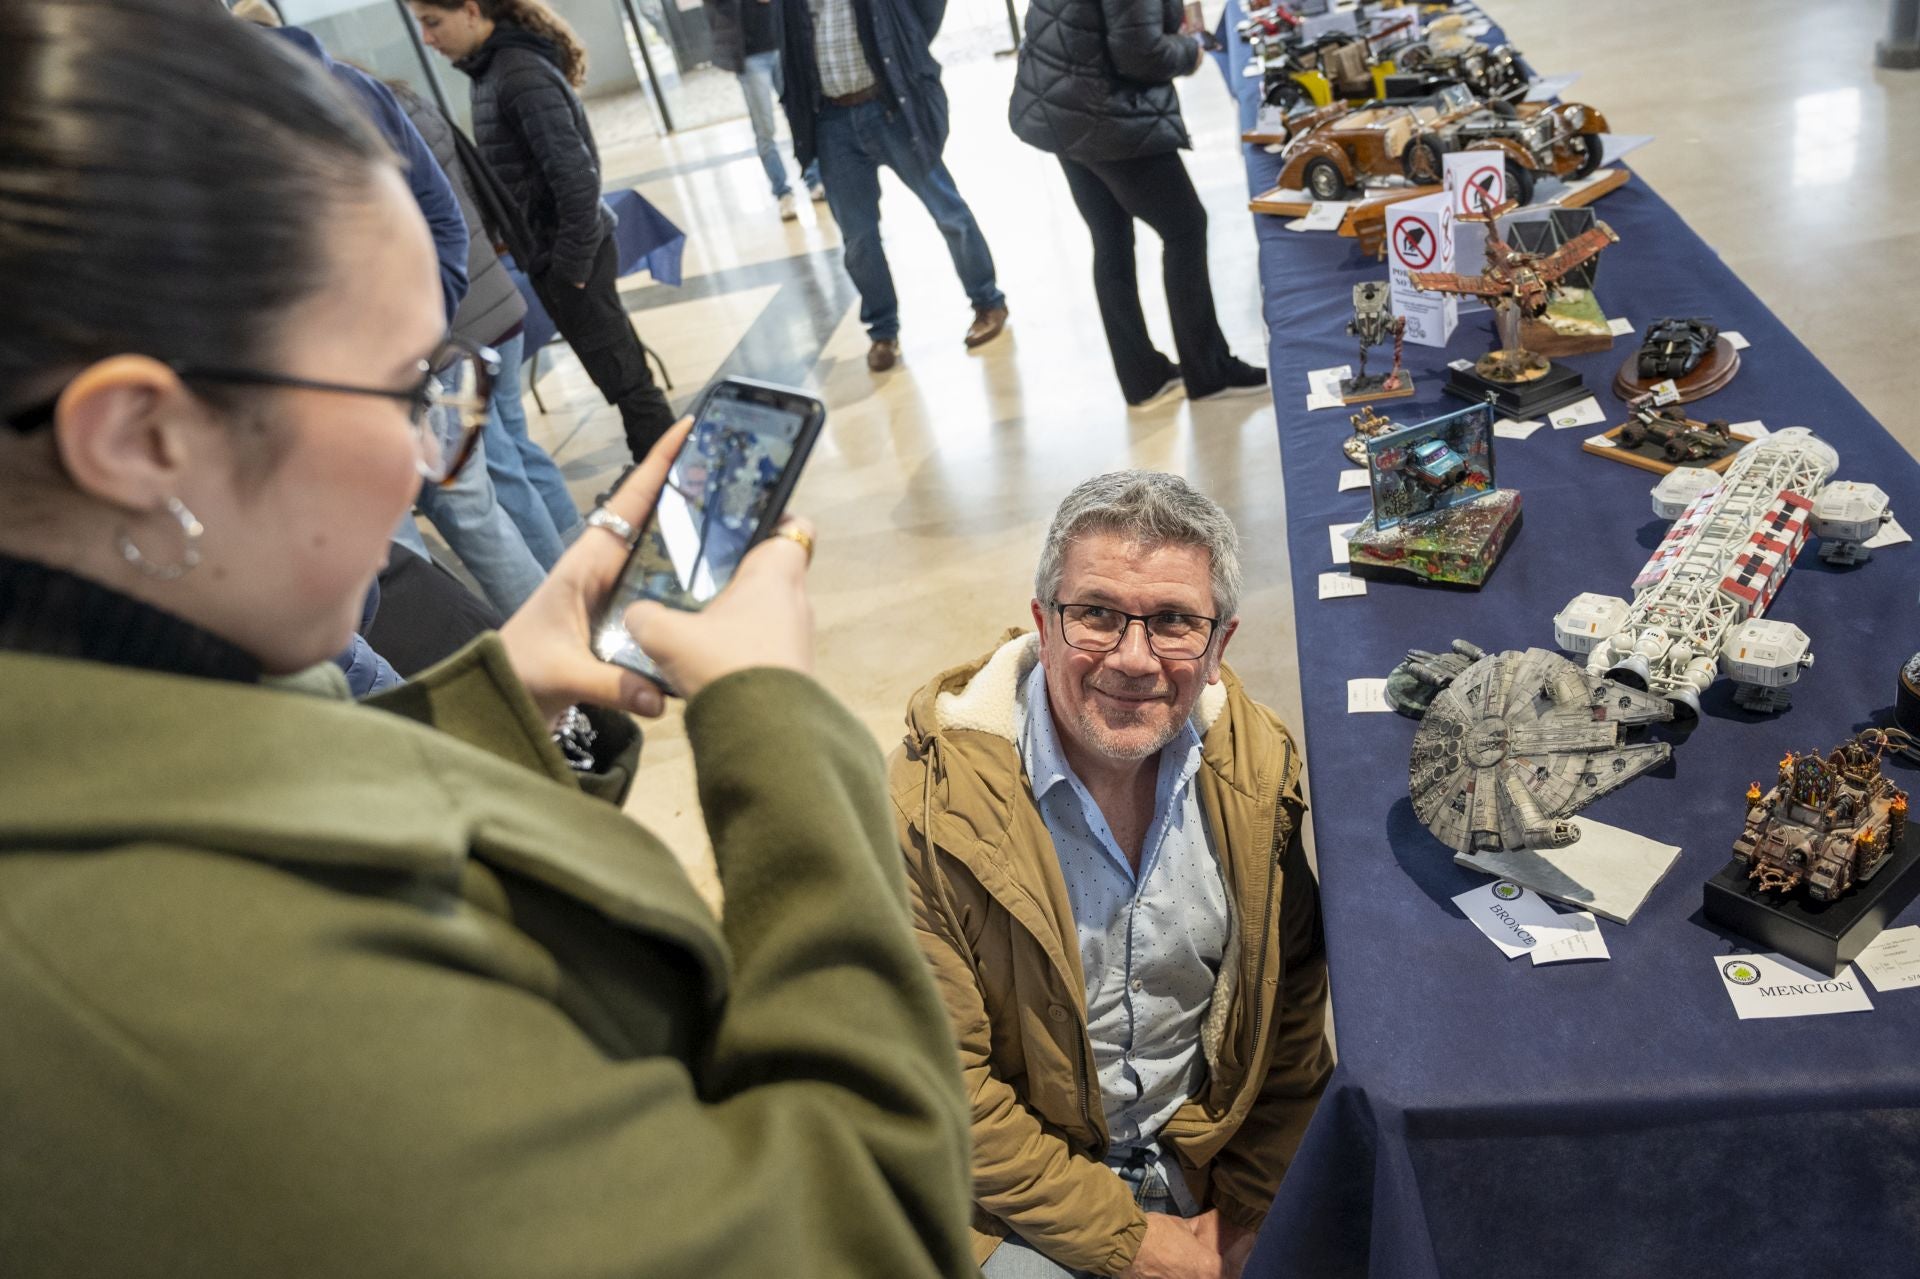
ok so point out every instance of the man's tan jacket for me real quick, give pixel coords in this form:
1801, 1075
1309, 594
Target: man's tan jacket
994, 918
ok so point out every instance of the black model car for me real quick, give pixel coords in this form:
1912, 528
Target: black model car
1681, 438
1674, 348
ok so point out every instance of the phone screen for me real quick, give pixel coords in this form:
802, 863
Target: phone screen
725, 488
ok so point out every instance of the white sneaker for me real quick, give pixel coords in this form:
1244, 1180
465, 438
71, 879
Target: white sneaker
789, 208
817, 193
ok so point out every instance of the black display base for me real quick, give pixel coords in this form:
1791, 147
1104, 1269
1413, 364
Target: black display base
1557, 387
1820, 935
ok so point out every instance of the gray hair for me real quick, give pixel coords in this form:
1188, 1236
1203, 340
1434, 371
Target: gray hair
1152, 508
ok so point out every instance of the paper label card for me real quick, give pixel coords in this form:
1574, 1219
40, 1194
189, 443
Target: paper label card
1620, 326
1337, 536
1774, 986
1582, 413
1271, 119
1665, 392
1738, 340
1551, 87
1324, 215
1460, 366
1891, 961
1600, 442
1352, 479
1512, 917
1508, 429
1755, 430
1334, 586
1366, 696
1572, 937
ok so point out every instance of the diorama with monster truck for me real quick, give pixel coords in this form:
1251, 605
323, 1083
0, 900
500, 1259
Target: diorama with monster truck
1336, 150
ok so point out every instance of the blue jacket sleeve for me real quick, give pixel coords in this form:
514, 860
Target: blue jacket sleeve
431, 190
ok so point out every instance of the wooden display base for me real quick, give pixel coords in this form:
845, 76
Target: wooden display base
1714, 372
1367, 219
1349, 394
1538, 335
1656, 461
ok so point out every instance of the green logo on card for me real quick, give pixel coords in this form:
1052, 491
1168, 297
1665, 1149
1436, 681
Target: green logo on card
1506, 890
1740, 972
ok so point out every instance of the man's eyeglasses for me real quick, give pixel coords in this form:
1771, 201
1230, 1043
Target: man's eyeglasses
447, 407
1095, 628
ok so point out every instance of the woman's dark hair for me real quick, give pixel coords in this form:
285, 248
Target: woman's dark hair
168, 174
539, 18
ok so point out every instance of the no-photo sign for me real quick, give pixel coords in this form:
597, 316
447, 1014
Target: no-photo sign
1414, 243
1484, 190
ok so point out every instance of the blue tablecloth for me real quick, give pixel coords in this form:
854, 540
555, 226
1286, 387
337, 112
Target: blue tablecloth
1488, 1117
647, 239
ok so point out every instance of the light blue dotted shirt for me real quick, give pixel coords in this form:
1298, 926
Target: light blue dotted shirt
1151, 944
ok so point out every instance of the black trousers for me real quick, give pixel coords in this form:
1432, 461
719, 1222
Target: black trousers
596, 326
1156, 190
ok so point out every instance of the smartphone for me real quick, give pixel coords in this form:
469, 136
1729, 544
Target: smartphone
725, 491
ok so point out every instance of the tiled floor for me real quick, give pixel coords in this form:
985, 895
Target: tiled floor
932, 484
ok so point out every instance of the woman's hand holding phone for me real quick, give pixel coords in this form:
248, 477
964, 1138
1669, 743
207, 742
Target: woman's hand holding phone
763, 618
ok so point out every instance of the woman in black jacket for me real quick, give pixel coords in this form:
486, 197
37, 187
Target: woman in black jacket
1095, 87
525, 63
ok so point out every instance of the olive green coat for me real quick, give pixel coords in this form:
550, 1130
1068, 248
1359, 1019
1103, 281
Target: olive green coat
296, 987
996, 923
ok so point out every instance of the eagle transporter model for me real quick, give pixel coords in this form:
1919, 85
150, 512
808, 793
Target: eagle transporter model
1697, 604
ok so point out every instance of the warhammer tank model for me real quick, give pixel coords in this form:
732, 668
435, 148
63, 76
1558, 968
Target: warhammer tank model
1517, 742
1829, 822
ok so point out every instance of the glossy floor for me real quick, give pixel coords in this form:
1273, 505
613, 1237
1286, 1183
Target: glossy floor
933, 484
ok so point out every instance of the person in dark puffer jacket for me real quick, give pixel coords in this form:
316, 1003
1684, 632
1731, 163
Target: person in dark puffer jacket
525, 63
1095, 87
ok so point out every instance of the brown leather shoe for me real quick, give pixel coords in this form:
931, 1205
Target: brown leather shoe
883, 355
988, 322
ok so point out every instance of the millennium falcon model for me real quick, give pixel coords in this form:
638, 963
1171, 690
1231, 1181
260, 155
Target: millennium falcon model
1518, 742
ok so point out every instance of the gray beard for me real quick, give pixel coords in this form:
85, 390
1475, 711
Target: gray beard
1103, 740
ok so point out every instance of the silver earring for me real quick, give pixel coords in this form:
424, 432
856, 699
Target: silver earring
190, 533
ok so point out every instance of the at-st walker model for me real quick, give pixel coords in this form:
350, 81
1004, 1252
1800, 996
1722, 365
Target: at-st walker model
1373, 322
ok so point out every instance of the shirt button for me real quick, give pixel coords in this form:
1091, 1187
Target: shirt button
1057, 1012
1139, 985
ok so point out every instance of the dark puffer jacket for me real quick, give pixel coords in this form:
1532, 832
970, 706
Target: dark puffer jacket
1095, 80
533, 132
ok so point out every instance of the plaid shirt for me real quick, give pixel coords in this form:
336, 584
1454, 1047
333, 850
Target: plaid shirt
844, 69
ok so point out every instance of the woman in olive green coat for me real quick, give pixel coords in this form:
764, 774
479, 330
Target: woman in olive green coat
292, 986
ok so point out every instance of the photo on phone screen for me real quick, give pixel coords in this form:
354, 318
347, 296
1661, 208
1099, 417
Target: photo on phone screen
726, 489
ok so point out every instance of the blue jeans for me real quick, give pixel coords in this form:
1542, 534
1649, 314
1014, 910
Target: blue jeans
525, 479
760, 83
468, 515
1015, 1258
853, 143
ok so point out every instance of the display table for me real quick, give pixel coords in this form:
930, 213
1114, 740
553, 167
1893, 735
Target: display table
1488, 1117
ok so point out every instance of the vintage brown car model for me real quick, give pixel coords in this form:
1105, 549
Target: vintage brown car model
1335, 150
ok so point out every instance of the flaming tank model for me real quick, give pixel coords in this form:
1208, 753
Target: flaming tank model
1517, 743
1828, 823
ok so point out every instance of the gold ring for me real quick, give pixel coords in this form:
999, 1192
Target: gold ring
794, 533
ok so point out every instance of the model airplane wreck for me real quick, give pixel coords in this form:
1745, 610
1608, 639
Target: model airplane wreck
1513, 744
1517, 285
1697, 604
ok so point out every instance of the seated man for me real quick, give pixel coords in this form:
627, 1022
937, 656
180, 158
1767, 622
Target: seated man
1102, 839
